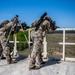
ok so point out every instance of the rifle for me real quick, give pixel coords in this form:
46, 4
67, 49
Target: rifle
15, 29
40, 21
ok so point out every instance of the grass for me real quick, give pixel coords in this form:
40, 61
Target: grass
52, 39
53, 47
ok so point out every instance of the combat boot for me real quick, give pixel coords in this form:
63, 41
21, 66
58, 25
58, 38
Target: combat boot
32, 68
37, 67
10, 61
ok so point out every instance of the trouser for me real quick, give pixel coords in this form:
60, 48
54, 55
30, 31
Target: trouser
35, 59
5, 47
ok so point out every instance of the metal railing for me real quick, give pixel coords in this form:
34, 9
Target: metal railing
64, 43
45, 44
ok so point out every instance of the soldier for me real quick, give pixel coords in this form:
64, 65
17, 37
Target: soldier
37, 36
3, 38
1, 25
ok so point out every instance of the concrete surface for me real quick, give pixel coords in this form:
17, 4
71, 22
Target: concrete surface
49, 68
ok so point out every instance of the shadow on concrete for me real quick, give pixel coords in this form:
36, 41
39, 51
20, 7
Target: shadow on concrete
51, 62
21, 57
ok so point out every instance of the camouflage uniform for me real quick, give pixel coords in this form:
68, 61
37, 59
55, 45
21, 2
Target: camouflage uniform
5, 46
37, 37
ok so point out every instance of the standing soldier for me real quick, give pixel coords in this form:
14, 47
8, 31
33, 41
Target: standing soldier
39, 28
3, 39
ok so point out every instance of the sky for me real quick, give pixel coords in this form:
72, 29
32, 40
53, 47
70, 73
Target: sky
61, 11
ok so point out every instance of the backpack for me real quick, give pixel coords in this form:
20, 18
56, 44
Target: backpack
4, 23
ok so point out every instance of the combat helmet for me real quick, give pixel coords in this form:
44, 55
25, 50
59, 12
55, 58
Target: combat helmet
47, 18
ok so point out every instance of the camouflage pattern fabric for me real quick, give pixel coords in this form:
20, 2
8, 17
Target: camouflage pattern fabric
37, 37
5, 47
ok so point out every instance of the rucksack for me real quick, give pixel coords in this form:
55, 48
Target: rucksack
4, 23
